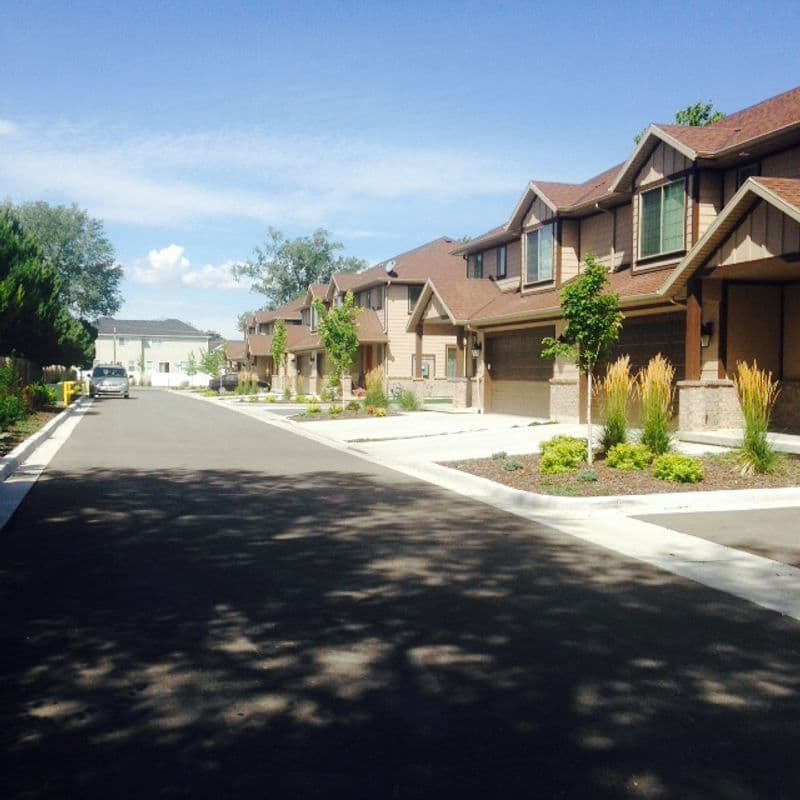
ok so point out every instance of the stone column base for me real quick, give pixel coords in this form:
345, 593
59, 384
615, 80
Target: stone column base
347, 387
419, 389
708, 406
565, 400
460, 392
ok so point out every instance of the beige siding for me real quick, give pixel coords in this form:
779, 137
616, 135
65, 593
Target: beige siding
570, 242
538, 212
663, 162
624, 238
597, 237
514, 258
782, 165
765, 232
402, 345
709, 200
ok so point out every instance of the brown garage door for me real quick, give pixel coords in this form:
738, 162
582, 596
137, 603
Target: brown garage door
519, 379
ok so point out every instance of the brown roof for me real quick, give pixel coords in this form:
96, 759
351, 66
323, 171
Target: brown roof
465, 297
414, 266
289, 311
345, 280
370, 330
568, 196
234, 350
318, 290
627, 284
754, 122
788, 189
260, 344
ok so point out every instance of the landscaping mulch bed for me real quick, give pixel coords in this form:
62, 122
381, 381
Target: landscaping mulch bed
301, 417
20, 431
721, 472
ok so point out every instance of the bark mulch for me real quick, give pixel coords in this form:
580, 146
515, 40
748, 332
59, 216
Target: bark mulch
20, 431
721, 472
362, 414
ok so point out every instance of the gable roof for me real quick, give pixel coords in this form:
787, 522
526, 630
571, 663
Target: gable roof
148, 327
234, 350
461, 298
370, 331
782, 193
290, 311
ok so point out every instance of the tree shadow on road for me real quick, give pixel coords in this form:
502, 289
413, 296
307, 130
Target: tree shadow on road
223, 634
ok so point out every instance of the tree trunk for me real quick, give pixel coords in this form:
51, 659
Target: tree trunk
589, 417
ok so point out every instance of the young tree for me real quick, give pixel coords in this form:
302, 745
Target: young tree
338, 329
279, 345
191, 365
212, 362
283, 269
593, 325
76, 245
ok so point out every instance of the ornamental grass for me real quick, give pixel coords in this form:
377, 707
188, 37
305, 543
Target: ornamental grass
615, 391
757, 393
656, 392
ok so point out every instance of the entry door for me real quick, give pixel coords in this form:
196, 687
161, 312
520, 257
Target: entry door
367, 358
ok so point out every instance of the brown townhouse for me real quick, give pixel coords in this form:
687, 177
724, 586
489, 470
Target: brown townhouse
700, 232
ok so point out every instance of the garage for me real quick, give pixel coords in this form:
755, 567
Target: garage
518, 378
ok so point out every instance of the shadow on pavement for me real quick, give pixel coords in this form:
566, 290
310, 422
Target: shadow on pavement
222, 634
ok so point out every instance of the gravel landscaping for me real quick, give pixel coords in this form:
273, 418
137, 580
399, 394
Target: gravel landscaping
721, 472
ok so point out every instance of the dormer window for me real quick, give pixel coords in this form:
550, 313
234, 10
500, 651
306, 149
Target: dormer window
540, 255
502, 261
475, 266
662, 220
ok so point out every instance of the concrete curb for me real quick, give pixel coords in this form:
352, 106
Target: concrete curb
10, 463
496, 494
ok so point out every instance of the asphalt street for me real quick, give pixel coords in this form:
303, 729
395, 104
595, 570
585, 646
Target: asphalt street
199, 605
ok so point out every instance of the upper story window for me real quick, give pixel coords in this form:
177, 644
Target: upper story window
748, 171
314, 317
121, 341
540, 254
475, 266
413, 295
662, 220
502, 261
377, 298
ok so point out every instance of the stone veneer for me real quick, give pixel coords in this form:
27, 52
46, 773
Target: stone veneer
708, 405
565, 400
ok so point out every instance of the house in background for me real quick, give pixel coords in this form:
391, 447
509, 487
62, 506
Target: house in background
699, 231
259, 329
154, 350
235, 358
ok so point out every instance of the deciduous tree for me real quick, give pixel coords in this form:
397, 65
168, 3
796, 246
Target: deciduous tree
338, 329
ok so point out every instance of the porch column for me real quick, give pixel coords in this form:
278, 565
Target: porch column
419, 383
565, 387
313, 384
694, 322
461, 353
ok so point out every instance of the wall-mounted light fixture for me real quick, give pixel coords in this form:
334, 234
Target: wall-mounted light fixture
476, 349
706, 332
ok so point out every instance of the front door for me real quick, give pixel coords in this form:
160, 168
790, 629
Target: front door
367, 358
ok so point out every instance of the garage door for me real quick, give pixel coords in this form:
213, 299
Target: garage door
519, 379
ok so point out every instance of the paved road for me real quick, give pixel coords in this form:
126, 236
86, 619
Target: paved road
770, 532
195, 604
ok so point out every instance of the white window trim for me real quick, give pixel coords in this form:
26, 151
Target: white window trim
540, 280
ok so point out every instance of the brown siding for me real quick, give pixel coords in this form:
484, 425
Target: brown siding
709, 200
538, 212
763, 233
754, 335
597, 237
624, 238
642, 338
782, 165
791, 336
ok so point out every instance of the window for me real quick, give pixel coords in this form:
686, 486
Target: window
314, 316
743, 173
121, 341
413, 295
539, 258
428, 366
502, 259
452, 362
377, 298
163, 366
662, 220
475, 266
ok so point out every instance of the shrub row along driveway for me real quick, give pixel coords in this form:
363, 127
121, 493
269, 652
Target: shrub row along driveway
199, 605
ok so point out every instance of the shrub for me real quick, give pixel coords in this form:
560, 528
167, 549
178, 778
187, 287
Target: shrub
615, 392
37, 396
408, 401
247, 383
334, 411
287, 393
272, 399
757, 393
562, 454
375, 395
512, 465
629, 457
587, 476
656, 393
329, 394
678, 469
354, 405
500, 455
301, 398
312, 410
12, 409
376, 411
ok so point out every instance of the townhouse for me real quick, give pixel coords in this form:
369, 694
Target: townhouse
700, 232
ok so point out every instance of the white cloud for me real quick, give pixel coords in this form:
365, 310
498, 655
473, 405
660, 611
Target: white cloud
164, 266
187, 180
211, 277
171, 266
7, 128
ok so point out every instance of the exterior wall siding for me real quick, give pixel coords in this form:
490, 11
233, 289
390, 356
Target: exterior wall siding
709, 200
570, 243
538, 212
663, 162
158, 350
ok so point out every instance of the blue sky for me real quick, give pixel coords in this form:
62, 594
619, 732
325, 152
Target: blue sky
189, 128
